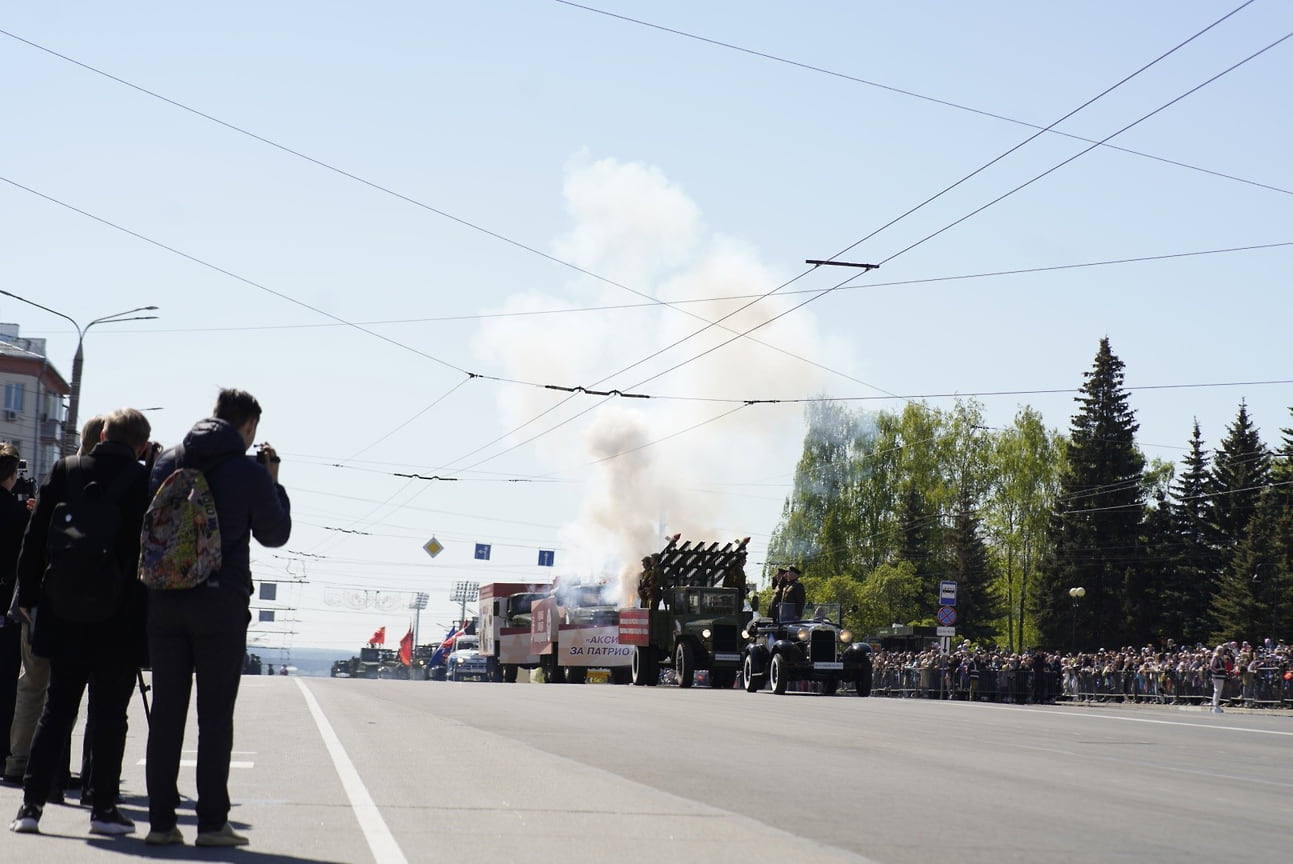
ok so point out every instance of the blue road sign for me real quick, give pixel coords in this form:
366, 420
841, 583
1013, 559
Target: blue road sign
947, 616
482, 551
546, 557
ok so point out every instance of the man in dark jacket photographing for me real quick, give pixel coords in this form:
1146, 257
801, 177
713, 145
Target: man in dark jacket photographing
202, 630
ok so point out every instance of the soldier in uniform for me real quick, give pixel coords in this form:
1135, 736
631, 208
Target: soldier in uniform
778, 590
793, 591
734, 575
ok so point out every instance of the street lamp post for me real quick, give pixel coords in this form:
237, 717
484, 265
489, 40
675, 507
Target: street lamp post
71, 435
1076, 594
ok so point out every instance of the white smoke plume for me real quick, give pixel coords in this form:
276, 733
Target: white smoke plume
642, 479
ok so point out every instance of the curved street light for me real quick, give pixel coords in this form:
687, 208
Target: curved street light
71, 434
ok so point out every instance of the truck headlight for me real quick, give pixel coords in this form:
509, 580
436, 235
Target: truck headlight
803, 634
706, 633
846, 636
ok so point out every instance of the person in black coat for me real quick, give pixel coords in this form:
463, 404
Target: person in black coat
102, 655
13, 522
202, 631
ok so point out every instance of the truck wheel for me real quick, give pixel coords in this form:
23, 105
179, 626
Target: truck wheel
722, 679
509, 673
863, 682
684, 664
576, 674
753, 680
779, 674
645, 670
621, 675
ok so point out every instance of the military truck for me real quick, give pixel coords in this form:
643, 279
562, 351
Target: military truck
371, 662
505, 619
689, 616
576, 628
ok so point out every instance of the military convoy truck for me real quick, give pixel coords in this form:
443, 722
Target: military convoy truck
372, 662
505, 627
576, 628
689, 616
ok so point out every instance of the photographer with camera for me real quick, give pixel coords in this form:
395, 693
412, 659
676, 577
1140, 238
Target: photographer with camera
198, 617
13, 522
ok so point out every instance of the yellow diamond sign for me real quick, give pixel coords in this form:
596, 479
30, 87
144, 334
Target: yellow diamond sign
433, 547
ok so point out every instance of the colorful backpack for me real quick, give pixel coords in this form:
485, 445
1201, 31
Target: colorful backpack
180, 541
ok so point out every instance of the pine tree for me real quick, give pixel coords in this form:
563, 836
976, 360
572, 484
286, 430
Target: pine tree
1094, 533
1193, 551
1252, 594
979, 607
1240, 470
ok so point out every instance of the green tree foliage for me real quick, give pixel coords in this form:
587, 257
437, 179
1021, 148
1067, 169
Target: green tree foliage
1023, 482
1240, 471
1254, 592
1188, 545
978, 598
1095, 530
892, 594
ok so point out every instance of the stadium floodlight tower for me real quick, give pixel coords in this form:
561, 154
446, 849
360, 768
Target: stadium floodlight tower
464, 593
417, 604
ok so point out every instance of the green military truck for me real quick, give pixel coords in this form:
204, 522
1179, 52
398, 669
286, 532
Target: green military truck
690, 613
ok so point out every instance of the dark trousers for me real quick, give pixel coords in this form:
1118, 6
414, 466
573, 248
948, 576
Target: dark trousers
111, 680
200, 632
10, 667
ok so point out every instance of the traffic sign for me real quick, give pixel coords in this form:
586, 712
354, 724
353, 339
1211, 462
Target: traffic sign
947, 616
433, 547
947, 592
944, 631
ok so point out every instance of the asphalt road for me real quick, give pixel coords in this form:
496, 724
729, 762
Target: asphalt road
389, 771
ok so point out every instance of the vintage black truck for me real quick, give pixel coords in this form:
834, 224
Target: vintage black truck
812, 645
690, 613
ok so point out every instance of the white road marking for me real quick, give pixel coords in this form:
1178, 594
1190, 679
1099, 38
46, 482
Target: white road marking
193, 763
380, 840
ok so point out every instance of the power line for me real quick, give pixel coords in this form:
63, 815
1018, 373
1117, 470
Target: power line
913, 94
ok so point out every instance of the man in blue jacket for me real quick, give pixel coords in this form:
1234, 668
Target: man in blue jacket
202, 631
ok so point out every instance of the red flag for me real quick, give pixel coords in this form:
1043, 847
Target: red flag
406, 648
378, 638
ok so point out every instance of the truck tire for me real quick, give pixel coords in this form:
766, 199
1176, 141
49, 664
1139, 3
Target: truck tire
779, 674
753, 680
644, 670
684, 664
621, 675
509, 673
576, 674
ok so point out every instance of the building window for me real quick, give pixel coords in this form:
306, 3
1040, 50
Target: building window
13, 394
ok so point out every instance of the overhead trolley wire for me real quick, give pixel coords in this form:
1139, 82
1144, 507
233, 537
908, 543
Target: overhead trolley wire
873, 233
913, 94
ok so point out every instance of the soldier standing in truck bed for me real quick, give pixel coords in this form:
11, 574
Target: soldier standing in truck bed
792, 592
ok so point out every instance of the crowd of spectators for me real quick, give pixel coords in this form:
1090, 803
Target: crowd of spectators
1258, 676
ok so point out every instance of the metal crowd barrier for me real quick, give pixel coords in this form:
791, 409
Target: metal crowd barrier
1265, 687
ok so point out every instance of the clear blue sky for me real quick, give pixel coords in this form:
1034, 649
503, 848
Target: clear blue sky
485, 160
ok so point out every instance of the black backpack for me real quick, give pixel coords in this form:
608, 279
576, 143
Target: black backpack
83, 581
